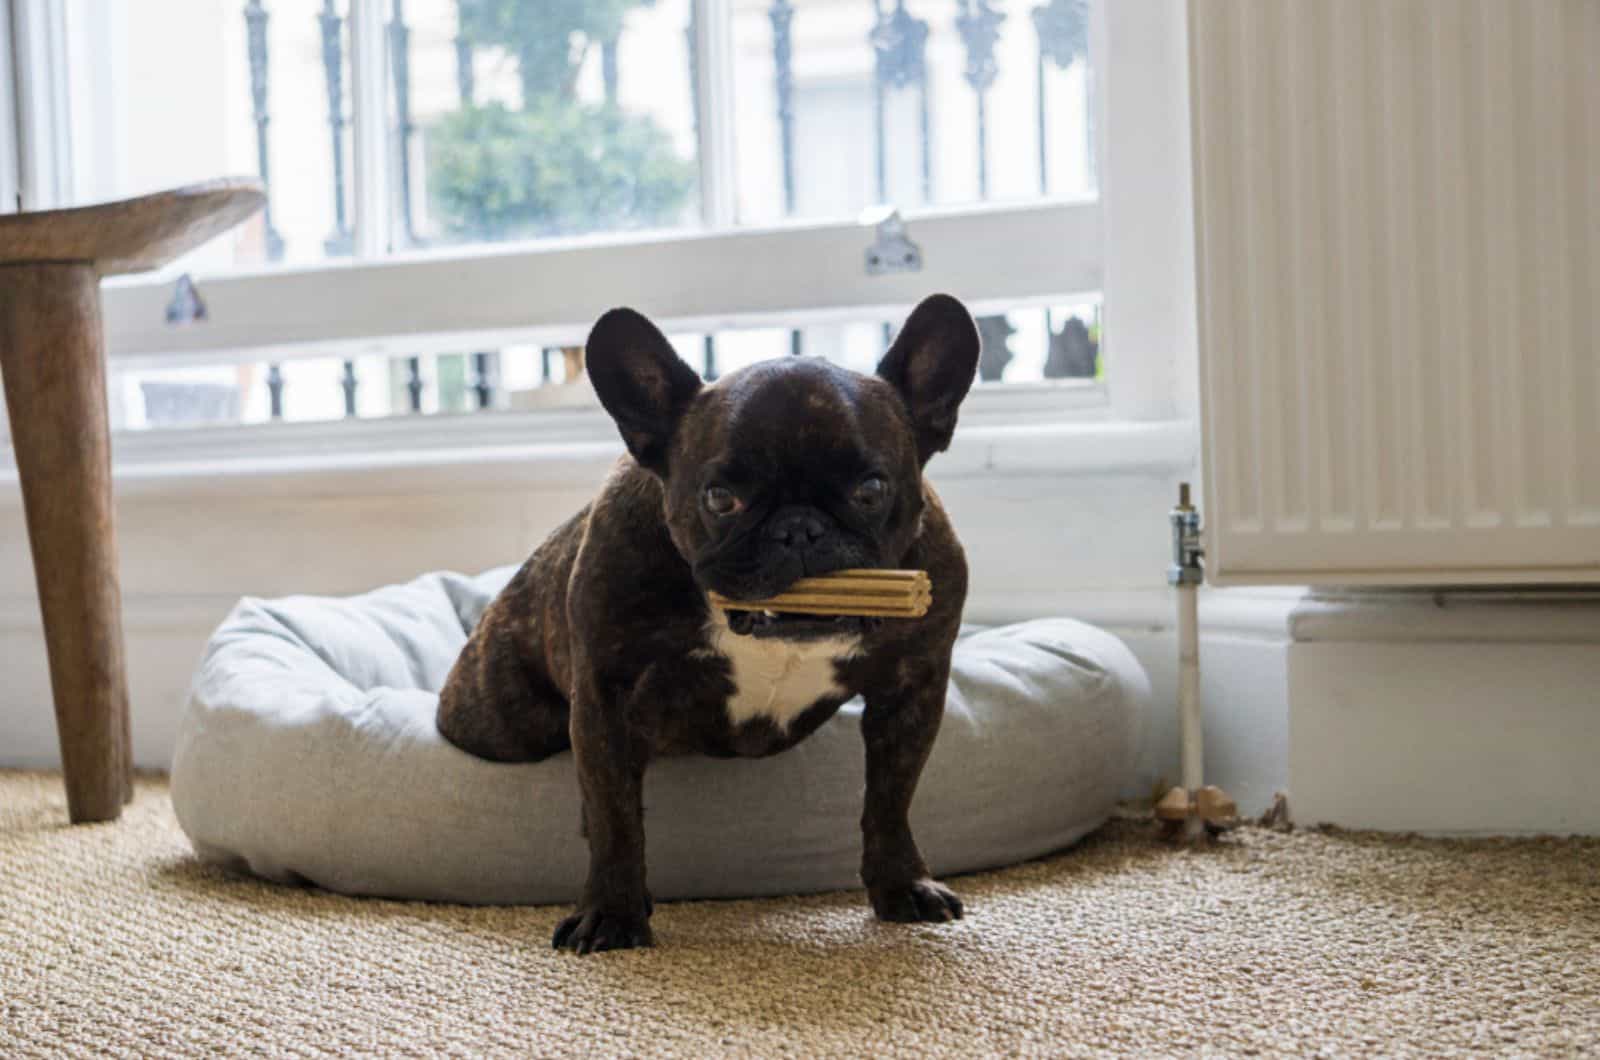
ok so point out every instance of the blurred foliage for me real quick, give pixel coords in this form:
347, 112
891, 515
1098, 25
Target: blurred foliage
556, 167
549, 38
559, 165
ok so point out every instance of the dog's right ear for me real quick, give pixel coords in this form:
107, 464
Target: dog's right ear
641, 382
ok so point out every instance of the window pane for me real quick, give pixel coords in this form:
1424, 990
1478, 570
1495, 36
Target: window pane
1036, 344
1030, 344
521, 119
164, 95
840, 105
181, 397
157, 398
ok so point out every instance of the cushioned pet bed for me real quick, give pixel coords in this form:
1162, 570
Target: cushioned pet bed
308, 753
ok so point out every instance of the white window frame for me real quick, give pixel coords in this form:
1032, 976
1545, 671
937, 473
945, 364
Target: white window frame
40, 148
996, 257
10, 190
549, 293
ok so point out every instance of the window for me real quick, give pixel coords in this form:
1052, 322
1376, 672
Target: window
458, 187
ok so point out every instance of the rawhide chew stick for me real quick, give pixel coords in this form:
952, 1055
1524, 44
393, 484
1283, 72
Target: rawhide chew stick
867, 593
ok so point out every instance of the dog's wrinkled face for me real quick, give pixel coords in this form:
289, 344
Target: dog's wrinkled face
787, 469
792, 467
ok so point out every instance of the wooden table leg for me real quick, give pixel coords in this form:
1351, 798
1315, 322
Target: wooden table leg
53, 360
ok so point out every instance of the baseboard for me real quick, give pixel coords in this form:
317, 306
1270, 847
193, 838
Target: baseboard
1446, 713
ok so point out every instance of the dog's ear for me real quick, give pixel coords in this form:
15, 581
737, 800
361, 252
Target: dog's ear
932, 364
641, 382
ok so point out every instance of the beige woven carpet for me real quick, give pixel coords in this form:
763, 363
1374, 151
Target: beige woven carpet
112, 938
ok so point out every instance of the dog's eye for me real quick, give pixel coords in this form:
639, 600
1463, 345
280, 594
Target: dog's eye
720, 500
871, 491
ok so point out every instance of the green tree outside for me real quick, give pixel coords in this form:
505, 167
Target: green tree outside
556, 165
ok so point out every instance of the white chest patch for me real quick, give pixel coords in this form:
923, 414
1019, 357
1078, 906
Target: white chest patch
777, 679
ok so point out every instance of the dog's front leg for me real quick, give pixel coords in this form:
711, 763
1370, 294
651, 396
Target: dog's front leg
614, 910
899, 727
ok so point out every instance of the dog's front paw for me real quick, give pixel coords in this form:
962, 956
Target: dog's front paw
919, 900
592, 930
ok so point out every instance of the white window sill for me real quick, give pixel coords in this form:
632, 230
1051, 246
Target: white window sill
519, 450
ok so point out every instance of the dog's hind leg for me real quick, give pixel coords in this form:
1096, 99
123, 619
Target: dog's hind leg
498, 703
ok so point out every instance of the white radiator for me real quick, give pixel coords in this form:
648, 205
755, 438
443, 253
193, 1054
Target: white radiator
1398, 222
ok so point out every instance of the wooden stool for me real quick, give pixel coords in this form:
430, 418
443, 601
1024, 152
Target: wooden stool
52, 355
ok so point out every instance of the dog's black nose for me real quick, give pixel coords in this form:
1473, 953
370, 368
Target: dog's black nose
796, 529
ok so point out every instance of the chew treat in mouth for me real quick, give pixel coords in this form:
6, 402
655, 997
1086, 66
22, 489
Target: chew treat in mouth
860, 593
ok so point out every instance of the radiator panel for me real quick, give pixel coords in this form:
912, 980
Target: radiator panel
1398, 223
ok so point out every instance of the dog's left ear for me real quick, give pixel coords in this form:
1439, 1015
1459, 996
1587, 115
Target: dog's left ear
641, 381
932, 364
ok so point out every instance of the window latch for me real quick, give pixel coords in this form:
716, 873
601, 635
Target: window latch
891, 249
186, 306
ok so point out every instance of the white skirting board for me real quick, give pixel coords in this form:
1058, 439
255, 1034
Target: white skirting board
1449, 714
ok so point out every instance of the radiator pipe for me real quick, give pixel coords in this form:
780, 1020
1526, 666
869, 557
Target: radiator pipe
1185, 575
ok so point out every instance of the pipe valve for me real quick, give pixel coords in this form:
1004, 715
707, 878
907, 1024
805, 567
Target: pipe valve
1186, 568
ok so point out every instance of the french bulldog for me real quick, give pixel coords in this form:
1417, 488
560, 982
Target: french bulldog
605, 641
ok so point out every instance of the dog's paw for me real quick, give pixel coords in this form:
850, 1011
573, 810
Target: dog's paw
919, 900
593, 930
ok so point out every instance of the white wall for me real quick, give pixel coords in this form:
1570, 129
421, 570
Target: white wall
1090, 546
1455, 712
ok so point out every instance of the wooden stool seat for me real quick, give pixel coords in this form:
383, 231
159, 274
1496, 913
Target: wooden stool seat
52, 356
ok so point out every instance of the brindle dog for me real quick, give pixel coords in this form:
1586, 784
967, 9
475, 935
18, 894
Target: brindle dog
604, 640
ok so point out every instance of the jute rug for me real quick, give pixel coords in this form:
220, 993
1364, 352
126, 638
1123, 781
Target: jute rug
113, 939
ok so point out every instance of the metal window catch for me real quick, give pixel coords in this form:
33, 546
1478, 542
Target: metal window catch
1186, 568
186, 306
892, 249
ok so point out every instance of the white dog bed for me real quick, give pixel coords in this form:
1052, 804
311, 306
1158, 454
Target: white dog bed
308, 753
